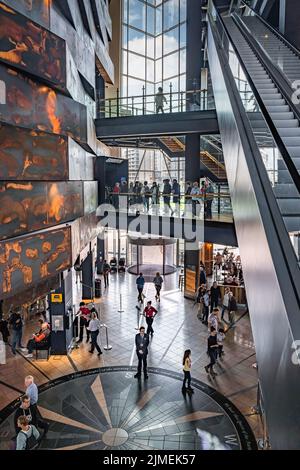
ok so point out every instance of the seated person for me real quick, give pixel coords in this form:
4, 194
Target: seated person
39, 340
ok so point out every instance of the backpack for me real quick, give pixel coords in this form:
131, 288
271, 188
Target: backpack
31, 442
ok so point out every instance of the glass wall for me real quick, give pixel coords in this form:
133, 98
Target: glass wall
153, 47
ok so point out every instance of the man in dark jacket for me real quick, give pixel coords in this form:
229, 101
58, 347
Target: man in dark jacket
31, 413
202, 276
141, 343
176, 195
16, 322
140, 282
167, 190
215, 295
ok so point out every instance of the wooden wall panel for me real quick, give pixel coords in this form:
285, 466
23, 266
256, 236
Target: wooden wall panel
28, 261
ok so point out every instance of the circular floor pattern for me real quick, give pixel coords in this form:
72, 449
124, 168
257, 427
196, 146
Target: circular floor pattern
107, 408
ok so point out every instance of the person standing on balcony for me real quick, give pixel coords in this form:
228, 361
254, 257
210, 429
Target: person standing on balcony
146, 195
116, 192
176, 195
160, 100
166, 194
195, 193
124, 196
155, 194
209, 200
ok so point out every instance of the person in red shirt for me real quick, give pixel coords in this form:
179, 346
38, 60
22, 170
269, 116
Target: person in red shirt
84, 314
150, 312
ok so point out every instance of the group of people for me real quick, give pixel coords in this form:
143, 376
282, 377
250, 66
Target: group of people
231, 267
145, 196
27, 419
209, 298
89, 321
14, 328
140, 283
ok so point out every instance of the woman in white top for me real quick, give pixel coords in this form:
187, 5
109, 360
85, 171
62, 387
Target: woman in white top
94, 327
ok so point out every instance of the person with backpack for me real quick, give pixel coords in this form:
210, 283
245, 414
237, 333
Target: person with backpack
28, 436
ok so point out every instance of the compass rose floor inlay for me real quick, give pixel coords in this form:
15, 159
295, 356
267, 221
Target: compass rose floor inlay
108, 409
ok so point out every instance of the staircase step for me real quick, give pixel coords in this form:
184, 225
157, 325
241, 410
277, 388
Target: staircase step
278, 109
289, 132
285, 190
282, 116
281, 124
272, 96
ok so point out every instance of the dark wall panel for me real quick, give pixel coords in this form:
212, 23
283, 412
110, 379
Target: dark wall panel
30, 260
83, 231
37, 10
31, 155
29, 47
25, 207
31, 105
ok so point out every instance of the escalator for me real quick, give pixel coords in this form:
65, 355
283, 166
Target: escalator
260, 133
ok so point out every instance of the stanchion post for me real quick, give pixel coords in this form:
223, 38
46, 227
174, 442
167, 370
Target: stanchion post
108, 347
121, 309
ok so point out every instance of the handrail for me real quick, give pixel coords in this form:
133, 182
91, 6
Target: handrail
277, 138
185, 196
202, 90
274, 30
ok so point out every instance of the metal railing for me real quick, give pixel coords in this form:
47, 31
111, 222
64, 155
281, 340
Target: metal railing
172, 102
210, 206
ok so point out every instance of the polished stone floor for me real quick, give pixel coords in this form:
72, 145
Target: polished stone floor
176, 329
109, 409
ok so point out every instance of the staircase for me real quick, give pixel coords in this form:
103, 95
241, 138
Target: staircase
285, 122
208, 160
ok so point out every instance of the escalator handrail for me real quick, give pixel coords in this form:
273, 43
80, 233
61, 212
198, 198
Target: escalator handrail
275, 31
278, 140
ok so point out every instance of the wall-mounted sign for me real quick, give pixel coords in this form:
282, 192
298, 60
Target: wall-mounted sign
56, 298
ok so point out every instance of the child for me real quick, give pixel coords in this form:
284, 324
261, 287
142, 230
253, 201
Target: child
220, 339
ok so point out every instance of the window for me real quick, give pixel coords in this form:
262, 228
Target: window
136, 41
171, 41
137, 14
171, 14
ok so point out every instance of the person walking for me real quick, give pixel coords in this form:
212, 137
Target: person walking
94, 328
31, 390
215, 295
232, 309
187, 365
106, 271
199, 300
150, 313
158, 281
140, 282
220, 339
84, 314
206, 302
28, 436
16, 322
213, 319
225, 302
141, 343
202, 275
160, 100
212, 348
